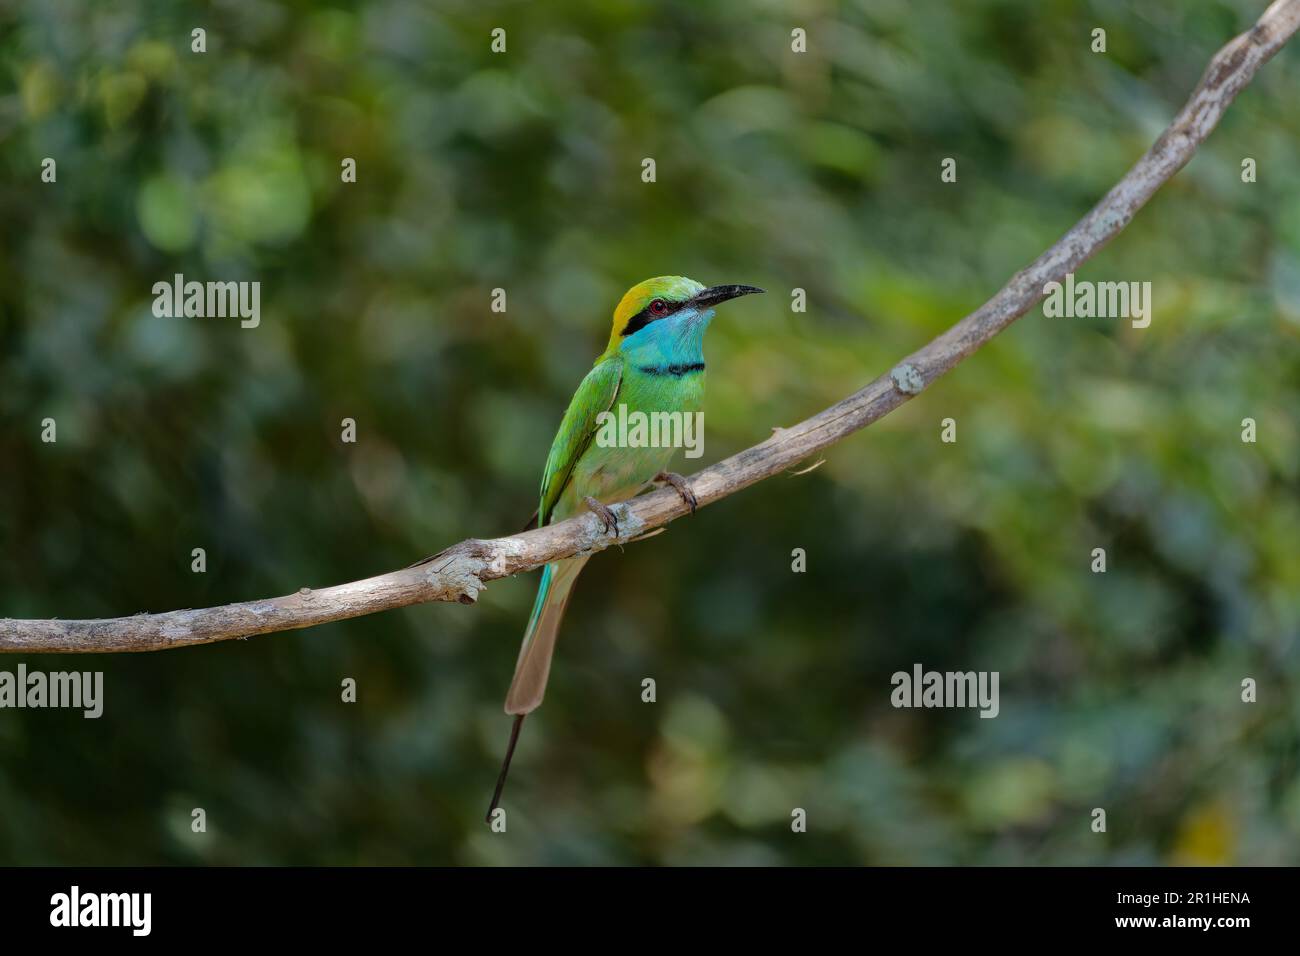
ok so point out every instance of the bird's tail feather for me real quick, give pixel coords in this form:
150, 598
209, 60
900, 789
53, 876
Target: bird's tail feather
534, 665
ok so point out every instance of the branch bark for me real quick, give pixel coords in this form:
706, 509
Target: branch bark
460, 572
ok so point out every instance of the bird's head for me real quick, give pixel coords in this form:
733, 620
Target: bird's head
668, 314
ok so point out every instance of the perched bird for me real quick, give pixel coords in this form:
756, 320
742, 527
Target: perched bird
654, 363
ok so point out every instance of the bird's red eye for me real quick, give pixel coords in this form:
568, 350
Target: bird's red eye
659, 307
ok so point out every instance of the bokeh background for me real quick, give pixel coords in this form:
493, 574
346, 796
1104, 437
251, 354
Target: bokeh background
522, 171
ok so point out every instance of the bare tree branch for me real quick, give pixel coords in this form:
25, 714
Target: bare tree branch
460, 572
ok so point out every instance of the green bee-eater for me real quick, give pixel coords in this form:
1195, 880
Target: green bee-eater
654, 363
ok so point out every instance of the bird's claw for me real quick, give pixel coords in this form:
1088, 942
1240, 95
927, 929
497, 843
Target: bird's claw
603, 513
679, 483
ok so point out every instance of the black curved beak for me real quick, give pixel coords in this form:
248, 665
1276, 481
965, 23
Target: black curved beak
721, 293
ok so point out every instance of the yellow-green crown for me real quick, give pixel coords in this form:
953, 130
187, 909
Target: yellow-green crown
672, 289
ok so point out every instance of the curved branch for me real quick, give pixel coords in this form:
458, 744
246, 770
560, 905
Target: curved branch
461, 571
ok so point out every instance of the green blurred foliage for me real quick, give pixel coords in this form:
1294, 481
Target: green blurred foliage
522, 171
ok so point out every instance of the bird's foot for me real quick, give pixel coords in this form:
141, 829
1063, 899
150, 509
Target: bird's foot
603, 513
679, 483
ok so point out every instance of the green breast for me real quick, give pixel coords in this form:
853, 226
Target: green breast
658, 420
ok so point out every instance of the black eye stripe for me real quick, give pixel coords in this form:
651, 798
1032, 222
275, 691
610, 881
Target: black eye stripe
645, 317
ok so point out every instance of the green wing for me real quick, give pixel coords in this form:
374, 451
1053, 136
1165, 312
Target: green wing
596, 394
